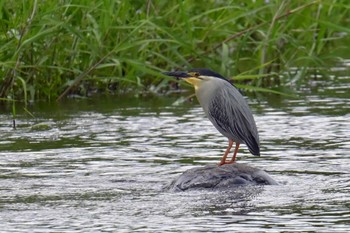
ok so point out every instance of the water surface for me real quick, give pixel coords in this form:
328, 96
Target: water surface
100, 165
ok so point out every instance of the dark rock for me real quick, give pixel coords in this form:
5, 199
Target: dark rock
214, 177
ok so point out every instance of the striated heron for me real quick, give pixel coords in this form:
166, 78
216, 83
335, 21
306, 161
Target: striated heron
225, 107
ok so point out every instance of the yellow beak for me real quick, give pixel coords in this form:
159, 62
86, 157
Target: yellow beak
194, 81
190, 77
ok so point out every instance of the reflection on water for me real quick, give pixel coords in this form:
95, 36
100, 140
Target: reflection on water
100, 165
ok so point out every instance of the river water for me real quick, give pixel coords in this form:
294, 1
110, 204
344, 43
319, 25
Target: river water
99, 165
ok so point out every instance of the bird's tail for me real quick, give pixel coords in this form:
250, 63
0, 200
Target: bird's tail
253, 146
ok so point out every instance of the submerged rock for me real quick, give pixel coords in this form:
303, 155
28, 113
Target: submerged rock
214, 177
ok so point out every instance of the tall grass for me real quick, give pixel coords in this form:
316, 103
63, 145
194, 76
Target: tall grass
50, 49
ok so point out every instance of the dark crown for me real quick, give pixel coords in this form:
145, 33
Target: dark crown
207, 72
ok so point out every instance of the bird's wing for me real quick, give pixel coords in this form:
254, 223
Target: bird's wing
230, 114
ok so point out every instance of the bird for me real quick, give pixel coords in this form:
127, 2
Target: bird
225, 107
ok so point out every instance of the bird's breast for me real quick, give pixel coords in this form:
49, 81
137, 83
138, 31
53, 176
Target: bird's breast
205, 96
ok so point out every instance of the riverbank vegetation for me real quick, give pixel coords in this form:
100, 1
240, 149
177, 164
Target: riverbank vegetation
52, 49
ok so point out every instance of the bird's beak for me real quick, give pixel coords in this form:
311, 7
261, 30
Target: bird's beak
178, 74
190, 77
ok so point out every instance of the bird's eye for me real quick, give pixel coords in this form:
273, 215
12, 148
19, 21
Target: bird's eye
194, 74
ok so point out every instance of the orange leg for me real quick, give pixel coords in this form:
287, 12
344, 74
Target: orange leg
223, 160
235, 153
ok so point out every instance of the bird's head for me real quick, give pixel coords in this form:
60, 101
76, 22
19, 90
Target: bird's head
196, 76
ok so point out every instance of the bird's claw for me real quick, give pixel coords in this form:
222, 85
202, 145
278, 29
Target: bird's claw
229, 162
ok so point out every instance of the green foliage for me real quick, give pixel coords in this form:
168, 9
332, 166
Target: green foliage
47, 47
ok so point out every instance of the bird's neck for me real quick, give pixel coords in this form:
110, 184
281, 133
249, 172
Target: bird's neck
205, 97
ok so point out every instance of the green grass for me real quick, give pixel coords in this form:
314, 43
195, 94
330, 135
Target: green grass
51, 49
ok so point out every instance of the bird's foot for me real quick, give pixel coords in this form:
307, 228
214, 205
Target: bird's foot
226, 162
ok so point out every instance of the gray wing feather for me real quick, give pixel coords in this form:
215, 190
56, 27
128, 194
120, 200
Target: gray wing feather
230, 114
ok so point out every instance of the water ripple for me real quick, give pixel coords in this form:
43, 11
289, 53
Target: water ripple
92, 165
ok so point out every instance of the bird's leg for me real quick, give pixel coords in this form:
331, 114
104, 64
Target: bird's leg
235, 153
223, 160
